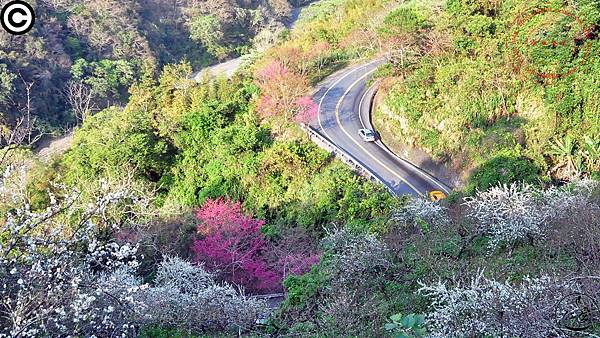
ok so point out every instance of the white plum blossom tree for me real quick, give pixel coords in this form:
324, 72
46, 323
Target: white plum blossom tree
186, 297
420, 211
536, 308
355, 265
353, 256
54, 274
509, 213
519, 211
578, 195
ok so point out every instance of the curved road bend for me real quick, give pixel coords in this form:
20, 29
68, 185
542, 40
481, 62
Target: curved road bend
344, 107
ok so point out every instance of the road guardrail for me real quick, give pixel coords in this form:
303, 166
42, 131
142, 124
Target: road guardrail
323, 142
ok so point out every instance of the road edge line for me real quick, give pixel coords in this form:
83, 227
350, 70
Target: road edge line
382, 145
337, 114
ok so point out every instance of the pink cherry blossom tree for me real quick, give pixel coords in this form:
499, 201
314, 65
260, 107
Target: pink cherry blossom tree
231, 244
307, 109
284, 94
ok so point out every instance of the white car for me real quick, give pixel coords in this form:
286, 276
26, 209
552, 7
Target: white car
367, 135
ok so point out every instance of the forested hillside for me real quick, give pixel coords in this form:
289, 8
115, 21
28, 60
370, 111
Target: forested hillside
84, 55
466, 94
180, 203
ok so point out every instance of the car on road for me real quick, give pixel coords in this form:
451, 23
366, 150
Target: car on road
367, 135
436, 196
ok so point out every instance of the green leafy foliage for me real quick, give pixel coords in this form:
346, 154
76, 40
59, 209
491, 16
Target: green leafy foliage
108, 79
503, 169
207, 30
114, 142
6, 83
304, 289
403, 20
407, 326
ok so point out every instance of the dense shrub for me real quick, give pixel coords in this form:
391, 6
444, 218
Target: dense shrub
114, 142
185, 297
340, 296
58, 276
503, 170
403, 20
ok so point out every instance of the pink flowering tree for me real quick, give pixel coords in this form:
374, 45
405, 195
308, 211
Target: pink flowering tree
284, 94
307, 109
231, 244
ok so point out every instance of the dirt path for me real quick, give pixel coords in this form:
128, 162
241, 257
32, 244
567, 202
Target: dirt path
54, 147
228, 68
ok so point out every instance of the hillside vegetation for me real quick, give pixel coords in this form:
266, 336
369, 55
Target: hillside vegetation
172, 211
465, 93
83, 55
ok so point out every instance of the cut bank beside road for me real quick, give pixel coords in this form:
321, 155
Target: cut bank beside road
379, 115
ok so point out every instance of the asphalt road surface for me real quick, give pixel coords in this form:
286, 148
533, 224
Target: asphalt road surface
344, 107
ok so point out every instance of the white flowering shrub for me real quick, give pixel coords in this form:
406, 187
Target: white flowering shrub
509, 213
535, 308
351, 257
53, 274
574, 197
355, 265
420, 211
586, 187
176, 272
517, 212
186, 297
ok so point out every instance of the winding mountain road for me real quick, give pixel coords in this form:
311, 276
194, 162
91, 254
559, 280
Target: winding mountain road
345, 101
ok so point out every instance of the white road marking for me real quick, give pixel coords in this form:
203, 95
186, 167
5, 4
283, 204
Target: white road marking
337, 115
360, 105
419, 171
333, 86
